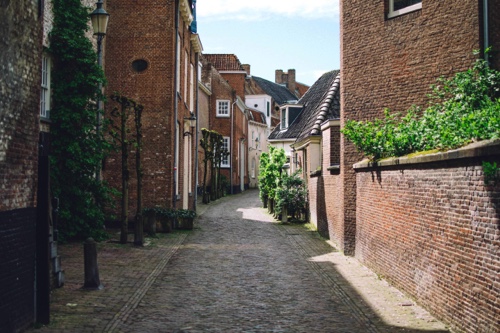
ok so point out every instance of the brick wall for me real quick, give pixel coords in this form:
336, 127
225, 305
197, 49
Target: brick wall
150, 36
432, 230
391, 63
20, 60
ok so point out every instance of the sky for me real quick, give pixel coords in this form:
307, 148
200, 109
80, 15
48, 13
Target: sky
273, 34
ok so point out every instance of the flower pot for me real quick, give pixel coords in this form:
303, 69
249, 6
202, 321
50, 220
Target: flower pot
164, 224
185, 223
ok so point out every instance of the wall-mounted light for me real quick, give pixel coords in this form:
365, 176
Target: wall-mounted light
192, 122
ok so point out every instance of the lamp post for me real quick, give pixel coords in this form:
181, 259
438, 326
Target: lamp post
99, 18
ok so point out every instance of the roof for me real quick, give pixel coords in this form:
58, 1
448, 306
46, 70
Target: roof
320, 103
224, 62
279, 93
257, 116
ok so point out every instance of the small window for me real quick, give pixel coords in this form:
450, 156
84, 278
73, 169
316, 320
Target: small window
284, 123
45, 91
400, 7
226, 147
253, 167
222, 108
139, 65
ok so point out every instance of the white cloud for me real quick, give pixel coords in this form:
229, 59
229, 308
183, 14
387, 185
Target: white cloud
252, 10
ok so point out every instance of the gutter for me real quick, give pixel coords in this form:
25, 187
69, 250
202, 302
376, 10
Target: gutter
485, 29
176, 105
197, 59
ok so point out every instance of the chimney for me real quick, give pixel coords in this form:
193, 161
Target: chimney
291, 83
246, 68
278, 77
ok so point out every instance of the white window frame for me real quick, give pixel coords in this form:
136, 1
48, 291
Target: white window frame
254, 163
45, 93
284, 122
178, 69
191, 89
186, 66
200, 67
405, 10
220, 102
226, 162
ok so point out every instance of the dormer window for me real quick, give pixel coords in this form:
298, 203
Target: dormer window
288, 114
400, 7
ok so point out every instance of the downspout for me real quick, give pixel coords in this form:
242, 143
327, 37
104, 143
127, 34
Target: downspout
194, 29
197, 59
231, 148
485, 29
176, 103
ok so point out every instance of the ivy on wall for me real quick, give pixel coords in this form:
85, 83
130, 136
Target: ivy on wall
77, 148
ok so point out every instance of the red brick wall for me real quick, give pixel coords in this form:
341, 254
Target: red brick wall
391, 63
433, 231
149, 35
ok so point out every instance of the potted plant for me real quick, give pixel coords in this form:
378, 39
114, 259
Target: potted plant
149, 214
165, 219
185, 218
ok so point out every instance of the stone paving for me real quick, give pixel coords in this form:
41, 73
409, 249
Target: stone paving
238, 271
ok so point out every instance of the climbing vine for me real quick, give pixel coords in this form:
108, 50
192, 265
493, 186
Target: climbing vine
77, 149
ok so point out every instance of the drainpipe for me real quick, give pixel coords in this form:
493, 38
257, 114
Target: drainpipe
231, 148
196, 60
176, 103
485, 28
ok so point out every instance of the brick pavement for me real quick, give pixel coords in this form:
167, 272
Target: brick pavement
236, 272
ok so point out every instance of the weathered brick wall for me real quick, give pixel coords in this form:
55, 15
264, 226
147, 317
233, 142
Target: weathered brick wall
391, 63
432, 230
150, 35
20, 60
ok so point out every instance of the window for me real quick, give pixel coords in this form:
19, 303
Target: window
185, 77
253, 167
400, 7
178, 69
268, 109
191, 89
200, 67
225, 163
284, 123
45, 92
222, 108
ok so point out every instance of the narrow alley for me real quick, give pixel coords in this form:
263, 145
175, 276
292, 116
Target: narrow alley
238, 271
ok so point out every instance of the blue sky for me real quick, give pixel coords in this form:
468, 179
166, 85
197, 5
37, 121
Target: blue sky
274, 34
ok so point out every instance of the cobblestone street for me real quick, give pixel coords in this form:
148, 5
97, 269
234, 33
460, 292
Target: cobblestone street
238, 271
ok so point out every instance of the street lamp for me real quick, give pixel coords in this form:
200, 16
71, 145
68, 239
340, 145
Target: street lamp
192, 122
99, 18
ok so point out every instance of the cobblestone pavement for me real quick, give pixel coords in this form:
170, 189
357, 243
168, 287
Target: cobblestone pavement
238, 271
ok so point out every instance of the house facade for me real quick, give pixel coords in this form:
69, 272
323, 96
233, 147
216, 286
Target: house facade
158, 68
20, 69
225, 77
401, 218
257, 133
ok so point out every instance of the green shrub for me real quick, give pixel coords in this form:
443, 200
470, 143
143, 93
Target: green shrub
292, 193
463, 109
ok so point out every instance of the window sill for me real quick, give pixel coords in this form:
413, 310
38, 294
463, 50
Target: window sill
403, 11
333, 167
222, 116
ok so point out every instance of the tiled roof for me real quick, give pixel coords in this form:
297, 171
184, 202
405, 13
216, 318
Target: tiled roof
279, 93
320, 103
224, 62
257, 116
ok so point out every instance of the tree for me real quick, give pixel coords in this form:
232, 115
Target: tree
77, 149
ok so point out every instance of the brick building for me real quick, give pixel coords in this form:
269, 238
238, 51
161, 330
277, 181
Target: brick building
393, 218
151, 56
20, 70
225, 76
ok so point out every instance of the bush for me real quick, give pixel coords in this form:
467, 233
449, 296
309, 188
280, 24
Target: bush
464, 109
292, 193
